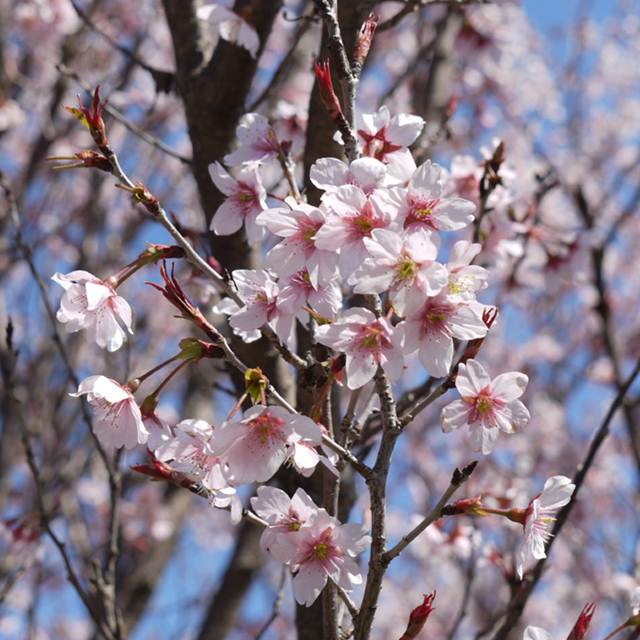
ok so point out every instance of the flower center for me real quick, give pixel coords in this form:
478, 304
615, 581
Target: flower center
294, 526
484, 406
321, 551
266, 427
406, 269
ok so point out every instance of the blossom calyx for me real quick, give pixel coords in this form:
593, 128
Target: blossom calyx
327, 93
91, 117
418, 617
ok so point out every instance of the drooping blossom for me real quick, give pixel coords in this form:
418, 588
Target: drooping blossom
431, 326
298, 224
487, 406
322, 549
259, 291
330, 173
538, 521
353, 216
368, 343
246, 198
386, 138
403, 265
230, 27
424, 205
255, 447
465, 279
93, 304
283, 514
258, 141
118, 420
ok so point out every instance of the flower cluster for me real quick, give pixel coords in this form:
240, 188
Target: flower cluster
311, 542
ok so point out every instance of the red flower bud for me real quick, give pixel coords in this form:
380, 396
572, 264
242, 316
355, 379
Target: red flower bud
581, 627
82, 159
327, 94
418, 617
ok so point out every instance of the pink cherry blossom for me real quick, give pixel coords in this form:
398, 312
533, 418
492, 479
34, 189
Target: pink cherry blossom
487, 406
284, 515
404, 265
258, 141
425, 205
368, 343
255, 447
431, 326
230, 27
92, 304
260, 293
296, 291
330, 173
324, 549
246, 198
118, 421
298, 225
352, 219
539, 518
386, 138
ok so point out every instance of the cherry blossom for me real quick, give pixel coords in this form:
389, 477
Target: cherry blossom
324, 549
284, 515
92, 304
404, 265
230, 27
260, 293
465, 279
258, 141
352, 219
536, 633
118, 421
424, 204
246, 198
330, 173
386, 138
368, 343
539, 518
298, 225
431, 326
255, 447
487, 406
296, 291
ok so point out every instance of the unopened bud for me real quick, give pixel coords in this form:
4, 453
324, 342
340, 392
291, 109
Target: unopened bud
419, 616
91, 117
364, 39
83, 159
327, 94
581, 626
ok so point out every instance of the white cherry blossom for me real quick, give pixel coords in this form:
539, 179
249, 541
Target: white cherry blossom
118, 421
230, 27
330, 173
258, 141
92, 304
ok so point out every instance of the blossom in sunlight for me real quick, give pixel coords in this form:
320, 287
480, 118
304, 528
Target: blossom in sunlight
368, 343
298, 225
284, 515
255, 447
487, 406
353, 216
324, 549
538, 521
465, 279
431, 326
403, 265
92, 304
330, 173
118, 420
246, 198
258, 141
260, 292
424, 204
296, 291
230, 27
